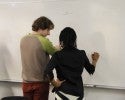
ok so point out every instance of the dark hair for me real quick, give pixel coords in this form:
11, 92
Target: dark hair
68, 37
42, 23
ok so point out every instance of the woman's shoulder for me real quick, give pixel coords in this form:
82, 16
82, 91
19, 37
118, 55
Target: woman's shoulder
81, 51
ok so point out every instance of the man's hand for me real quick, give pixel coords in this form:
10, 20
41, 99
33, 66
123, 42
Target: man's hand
58, 47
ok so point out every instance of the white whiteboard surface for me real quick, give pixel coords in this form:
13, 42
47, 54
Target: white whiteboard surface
99, 25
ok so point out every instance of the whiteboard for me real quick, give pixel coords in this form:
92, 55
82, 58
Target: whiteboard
99, 25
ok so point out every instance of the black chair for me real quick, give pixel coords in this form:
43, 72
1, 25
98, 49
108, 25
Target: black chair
14, 98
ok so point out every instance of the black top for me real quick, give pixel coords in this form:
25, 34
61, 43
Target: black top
69, 64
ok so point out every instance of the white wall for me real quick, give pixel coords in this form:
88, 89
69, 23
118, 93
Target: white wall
10, 89
99, 25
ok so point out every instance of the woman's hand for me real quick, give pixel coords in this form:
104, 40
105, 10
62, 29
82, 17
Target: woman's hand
95, 57
57, 82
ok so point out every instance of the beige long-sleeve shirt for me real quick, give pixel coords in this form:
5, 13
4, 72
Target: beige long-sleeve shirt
35, 50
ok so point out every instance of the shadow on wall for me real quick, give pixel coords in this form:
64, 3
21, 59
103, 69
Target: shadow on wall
5, 89
5, 59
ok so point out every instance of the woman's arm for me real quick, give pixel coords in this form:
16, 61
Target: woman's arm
90, 67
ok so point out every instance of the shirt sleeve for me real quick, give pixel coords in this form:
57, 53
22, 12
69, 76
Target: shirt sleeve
88, 66
47, 45
50, 66
50, 49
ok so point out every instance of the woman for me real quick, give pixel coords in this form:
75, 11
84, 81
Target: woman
69, 64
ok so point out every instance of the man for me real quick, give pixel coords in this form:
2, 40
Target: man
35, 50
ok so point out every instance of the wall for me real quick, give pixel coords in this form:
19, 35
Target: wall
99, 23
10, 88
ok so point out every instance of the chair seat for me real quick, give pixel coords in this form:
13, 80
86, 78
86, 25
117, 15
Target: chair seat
14, 98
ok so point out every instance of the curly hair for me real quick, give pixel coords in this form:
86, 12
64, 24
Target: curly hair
42, 23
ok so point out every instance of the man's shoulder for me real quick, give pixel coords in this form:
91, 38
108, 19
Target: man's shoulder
28, 38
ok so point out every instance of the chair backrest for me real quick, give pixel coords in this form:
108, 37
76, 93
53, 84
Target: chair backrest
14, 98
